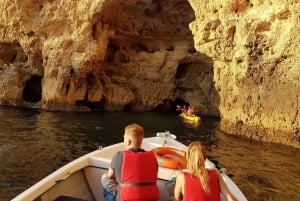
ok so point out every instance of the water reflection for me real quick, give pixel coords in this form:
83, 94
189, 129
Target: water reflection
35, 143
265, 171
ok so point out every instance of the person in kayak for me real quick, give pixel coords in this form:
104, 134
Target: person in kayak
133, 173
191, 111
198, 183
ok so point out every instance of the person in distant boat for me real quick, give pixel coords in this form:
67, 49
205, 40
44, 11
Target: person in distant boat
132, 174
198, 183
191, 111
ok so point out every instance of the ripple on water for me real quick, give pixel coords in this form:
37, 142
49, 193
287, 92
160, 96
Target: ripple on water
44, 141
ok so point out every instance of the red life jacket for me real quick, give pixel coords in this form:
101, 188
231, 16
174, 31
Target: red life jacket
139, 176
193, 189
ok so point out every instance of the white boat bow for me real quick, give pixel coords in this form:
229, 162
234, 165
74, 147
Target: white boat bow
81, 178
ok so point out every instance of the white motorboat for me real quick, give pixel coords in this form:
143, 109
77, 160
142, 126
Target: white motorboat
81, 178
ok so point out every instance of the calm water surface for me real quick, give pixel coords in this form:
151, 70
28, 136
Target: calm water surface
35, 143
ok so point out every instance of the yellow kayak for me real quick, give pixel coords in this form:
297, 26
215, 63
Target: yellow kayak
193, 118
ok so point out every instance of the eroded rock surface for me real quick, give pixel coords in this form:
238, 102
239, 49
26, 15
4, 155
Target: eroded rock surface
254, 45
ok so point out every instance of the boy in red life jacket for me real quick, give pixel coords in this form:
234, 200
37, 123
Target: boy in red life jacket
133, 173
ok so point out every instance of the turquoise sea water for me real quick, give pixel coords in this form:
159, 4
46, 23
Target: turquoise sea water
35, 143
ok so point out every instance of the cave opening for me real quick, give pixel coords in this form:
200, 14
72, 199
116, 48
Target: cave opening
127, 107
33, 89
96, 106
112, 49
182, 70
151, 43
93, 105
12, 52
172, 106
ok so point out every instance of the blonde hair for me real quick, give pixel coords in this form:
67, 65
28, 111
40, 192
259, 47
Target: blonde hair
136, 133
196, 156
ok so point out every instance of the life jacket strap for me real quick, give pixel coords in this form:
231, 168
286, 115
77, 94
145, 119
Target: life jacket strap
137, 184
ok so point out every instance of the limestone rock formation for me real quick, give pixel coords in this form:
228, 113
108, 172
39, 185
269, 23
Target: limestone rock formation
255, 47
102, 55
236, 59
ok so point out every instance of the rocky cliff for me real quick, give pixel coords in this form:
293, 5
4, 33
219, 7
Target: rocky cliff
254, 46
237, 60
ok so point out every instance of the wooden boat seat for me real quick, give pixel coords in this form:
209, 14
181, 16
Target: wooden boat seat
68, 198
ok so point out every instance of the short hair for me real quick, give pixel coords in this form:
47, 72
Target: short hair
135, 132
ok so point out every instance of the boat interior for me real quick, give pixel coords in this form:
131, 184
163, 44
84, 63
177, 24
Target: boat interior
80, 180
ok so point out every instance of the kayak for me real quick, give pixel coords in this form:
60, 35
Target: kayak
193, 118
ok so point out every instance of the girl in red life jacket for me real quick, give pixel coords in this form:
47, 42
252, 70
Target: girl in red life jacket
196, 183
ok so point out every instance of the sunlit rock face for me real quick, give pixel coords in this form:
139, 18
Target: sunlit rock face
102, 55
255, 47
234, 59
